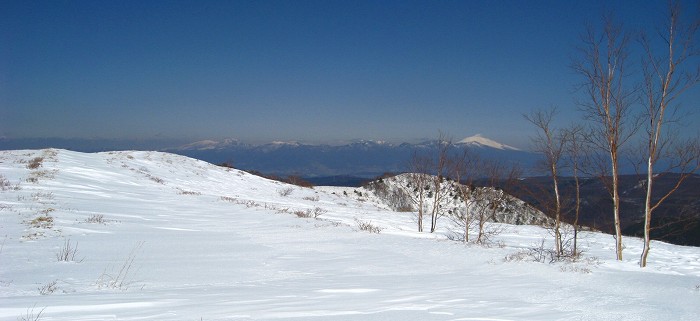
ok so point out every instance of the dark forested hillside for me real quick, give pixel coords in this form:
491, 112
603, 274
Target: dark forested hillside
677, 220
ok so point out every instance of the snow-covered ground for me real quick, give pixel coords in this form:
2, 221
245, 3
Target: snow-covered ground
164, 237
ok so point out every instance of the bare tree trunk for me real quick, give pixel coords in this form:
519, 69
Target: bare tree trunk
574, 152
463, 169
466, 225
466, 192
616, 207
440, 165
647, 213
436, 204
662, 86
557, 228
418, 180
420, 210
481, 219
577, 211
550, 143
608, 103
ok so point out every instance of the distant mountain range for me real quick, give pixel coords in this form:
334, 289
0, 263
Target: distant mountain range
361, 158
355, 160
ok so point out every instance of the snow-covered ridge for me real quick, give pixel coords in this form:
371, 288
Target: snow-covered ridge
158, 236
393, 192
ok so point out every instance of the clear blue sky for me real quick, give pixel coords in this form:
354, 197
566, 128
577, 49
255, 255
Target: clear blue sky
315, 71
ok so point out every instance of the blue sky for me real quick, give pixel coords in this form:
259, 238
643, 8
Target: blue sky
313, 71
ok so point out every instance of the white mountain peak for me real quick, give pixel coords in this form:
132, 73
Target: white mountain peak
201, 145
209, 144
479, 140
285, 143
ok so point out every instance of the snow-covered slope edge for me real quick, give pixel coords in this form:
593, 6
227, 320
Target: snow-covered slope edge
397, 193
164, 237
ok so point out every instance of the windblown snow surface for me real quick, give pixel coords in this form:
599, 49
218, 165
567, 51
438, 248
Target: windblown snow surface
164, 237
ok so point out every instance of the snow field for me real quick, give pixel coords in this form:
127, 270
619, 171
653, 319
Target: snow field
198, 241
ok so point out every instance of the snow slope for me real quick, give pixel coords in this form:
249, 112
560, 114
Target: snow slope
164, 237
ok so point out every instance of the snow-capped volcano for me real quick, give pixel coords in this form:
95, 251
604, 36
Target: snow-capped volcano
481, 141
209, 144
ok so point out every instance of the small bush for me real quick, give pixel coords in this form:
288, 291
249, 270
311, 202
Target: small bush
155, 179
35, 163
535, 254
229, 199
48, 288
42, 222
184, 192
68, 252
575, 268
41, 196
541, 254
30, 316
368, 226
35, 175
311, 213
96, 219
251, 203
246, 203
516, 257
312, 198
122, 279
227, 165
286, 191
4, 183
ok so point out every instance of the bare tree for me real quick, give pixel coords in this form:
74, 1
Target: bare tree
575, 155
418, 181
550, 143
608, 101
665, 80
464, 168
491, 198
441, 166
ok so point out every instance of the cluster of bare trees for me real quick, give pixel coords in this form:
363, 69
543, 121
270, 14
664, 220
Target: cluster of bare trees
550, 143
480, 203
437, 182
560, 148
428, 175
621, 108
